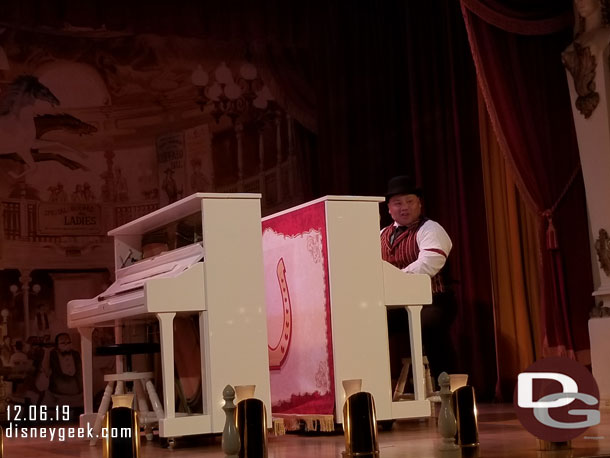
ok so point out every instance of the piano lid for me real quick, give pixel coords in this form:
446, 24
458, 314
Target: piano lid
174, 211
167, 264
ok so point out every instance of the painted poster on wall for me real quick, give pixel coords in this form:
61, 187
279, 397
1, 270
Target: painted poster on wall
198, 145
298, 317
69, 219
171, 161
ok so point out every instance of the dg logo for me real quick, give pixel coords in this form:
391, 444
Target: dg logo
557, 399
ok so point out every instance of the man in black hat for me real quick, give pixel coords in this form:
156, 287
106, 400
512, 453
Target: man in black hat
416, 244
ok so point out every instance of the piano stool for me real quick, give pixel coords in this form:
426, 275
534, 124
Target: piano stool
116, 382
399, 391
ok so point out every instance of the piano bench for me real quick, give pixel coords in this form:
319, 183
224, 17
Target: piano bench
127, 350
115, 384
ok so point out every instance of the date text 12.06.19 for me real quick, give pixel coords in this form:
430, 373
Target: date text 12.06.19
37, 413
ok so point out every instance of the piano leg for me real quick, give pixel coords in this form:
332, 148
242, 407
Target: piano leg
416, 351
166, 331
89, 416
204, 347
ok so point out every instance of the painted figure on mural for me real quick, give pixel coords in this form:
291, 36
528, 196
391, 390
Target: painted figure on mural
169, 186
88, 192
6, 350
35, 351
19, 358
78, 194
592, 36
108, 192
60, 194
62, 365
23, 369
57, 193
41, 318
120, 186
199, 182
52, 194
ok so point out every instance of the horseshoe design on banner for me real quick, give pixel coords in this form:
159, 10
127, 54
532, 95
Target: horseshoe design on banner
278, 353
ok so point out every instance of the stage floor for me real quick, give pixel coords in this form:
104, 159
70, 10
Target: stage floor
501, 435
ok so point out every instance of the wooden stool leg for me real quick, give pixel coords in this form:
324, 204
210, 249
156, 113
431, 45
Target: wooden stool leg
154, 400
402, 379
120, 387
97, 427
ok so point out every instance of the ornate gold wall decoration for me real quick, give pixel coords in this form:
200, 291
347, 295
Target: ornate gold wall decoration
599, 311
602, 246
581, 64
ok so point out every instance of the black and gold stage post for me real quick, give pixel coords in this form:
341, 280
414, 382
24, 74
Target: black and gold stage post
360, 426
465, 410
121, 430
251, 421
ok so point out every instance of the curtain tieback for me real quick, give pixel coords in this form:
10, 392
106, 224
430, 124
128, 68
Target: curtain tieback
551, 234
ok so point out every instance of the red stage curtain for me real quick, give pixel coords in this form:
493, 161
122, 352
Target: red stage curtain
529, 17
526, 94
397, 94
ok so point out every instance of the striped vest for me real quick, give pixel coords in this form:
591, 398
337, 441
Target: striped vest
404, 250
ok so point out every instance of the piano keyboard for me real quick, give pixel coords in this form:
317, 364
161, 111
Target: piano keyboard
125, 297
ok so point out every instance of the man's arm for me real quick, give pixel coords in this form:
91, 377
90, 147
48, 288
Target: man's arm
434, 247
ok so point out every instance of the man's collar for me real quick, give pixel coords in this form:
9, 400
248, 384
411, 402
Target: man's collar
410, 226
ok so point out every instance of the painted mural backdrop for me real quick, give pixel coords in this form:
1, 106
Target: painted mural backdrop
198, 146
95, 131
171, 160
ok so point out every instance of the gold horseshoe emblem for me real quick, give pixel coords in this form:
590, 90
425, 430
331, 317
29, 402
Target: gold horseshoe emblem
278, 353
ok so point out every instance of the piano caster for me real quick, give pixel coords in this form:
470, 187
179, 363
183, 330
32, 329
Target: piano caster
168, 442
386, 425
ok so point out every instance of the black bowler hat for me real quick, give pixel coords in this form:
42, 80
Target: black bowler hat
402, 184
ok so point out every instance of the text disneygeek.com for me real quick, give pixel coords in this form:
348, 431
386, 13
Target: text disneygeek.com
60, 433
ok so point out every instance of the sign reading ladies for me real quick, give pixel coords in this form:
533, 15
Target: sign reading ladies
557, 399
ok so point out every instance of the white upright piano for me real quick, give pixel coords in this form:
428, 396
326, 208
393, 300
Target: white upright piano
355, 287
217, 274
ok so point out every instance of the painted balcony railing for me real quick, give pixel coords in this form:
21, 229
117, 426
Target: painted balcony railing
49, 222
